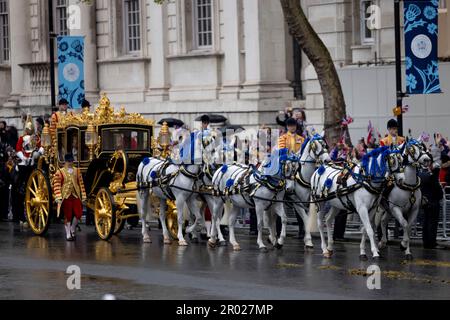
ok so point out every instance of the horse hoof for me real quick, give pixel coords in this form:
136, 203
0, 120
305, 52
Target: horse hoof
363, 257
147, 240
263, 250
309, 248
182, 243
278, 246
223, 244
328, 254
409, 257
402, 248
382, 245
167, 241
236, 247
211, 244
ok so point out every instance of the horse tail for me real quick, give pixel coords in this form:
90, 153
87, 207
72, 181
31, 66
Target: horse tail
312, 217
379, 213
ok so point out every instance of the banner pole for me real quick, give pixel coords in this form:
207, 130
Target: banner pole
398, 65
51, 35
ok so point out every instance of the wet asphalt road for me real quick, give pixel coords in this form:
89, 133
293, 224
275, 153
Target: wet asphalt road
34, 267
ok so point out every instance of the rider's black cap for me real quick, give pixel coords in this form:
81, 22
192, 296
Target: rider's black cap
392, 124
63, 101
69, 157
85, 103
291, 122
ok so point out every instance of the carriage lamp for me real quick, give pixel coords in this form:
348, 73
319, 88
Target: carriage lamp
164, 139
46, 138
91, 140
46, 141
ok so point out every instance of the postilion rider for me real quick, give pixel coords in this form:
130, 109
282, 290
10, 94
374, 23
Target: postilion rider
392, 139
291, 140
70, 195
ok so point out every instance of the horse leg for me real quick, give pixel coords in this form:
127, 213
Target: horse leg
383, 224
407, 231
307, 239
142, 203
231, 222
181, 201
365, 218
271, 224
279, 209
398, 214
261, 217
328, 222
199, 217
320, 215
162, 219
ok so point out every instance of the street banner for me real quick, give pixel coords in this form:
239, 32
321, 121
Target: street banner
71, 70
421, 46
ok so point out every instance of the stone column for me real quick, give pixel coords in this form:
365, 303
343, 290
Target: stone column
232, 50
159, 73
20, 47
89, 31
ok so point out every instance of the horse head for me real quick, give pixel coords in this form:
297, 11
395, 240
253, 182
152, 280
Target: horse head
381, 162
314, 149
415, 153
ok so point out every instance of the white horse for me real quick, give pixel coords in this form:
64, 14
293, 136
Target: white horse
262, 189
359, 191
168, 180
404, 200
314, 151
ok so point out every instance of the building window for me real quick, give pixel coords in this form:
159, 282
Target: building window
132, 19
61, 18
367, 35
4, 31
203, 22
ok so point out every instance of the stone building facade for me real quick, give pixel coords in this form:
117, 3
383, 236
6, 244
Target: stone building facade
187, 57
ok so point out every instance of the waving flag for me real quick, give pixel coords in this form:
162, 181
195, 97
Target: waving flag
369, 132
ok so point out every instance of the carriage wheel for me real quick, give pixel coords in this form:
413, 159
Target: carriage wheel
172, 219
38, 202
104, 214
120, 223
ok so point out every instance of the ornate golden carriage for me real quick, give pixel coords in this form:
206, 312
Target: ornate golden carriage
108, 147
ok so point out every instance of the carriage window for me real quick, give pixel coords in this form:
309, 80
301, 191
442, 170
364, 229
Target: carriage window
61, 150
125, 139
84, 147
73, 143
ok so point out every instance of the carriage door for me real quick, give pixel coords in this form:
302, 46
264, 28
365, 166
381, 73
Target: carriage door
73, 144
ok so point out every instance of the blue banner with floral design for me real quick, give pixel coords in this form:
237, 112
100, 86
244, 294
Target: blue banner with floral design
71, 69
421, 46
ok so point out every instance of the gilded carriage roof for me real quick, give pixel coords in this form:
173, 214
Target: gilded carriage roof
104, 114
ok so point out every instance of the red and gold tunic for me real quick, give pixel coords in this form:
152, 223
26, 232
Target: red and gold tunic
292, 141
69, 188
391, 141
